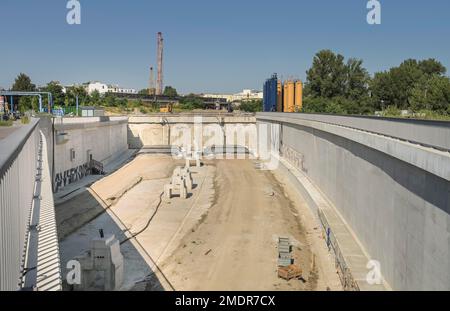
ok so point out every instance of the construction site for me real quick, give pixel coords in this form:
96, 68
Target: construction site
220, 234
222, 200
210, 218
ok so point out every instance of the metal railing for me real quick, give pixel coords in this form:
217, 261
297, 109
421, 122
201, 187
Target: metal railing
428, 133
29, 252
18, 167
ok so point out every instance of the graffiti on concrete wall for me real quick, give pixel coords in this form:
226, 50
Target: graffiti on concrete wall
70, 176
294, 157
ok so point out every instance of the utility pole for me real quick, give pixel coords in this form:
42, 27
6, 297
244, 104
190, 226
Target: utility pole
77, 105
159, 82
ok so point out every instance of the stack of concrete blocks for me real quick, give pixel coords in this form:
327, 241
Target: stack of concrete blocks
102, 266
181, 182
284, 252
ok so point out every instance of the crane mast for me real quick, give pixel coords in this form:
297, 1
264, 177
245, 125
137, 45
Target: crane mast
159, 82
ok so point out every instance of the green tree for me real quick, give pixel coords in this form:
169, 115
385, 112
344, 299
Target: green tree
431, 94
315, 104
327, 76
122, 102
191, 102
396, 86
56, 89
357, 80
95, 98
251, 106
334, 86
146, 91
382, 92
432, 67
170, 91
110, 100
23, 84
74, 91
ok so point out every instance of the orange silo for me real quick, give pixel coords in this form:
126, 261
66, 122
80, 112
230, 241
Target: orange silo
290, 96
298, 96
279, 96
285, 97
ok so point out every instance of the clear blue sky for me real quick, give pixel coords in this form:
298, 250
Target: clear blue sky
211, 45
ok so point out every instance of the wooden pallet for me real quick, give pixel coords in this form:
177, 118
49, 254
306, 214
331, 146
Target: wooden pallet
289, 272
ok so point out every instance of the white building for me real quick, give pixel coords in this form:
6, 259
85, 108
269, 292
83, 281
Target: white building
118, 89
97, 86
249, 94
103, 88
246, 94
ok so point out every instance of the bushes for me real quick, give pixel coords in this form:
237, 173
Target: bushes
334, 86
191, 102
6, 122
251, 106
25, 120
336, 105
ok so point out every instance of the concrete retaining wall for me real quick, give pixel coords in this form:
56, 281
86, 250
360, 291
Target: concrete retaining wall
104, 140
394, 195
174, 129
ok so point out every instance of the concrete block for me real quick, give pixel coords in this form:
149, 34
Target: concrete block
188, 181
167, 192
101, 266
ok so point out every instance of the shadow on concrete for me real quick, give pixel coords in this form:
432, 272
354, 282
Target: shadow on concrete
79, 221
134, 142
431, 188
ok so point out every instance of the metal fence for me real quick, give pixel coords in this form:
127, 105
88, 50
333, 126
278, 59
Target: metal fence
18, 167
64, 111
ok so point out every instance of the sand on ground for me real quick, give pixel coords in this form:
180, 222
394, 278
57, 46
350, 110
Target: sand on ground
223, 237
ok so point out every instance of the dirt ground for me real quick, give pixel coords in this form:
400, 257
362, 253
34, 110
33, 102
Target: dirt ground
223, 237
235, 246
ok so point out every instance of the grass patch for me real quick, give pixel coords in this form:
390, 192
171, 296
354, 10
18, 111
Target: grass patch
393, 112
6, 123
25, 120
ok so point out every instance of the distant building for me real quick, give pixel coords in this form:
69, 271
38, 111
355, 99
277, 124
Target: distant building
118, 89
96, 86
103, 88
246, 94
227, 97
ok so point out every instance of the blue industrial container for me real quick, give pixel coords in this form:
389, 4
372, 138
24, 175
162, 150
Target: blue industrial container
270, 94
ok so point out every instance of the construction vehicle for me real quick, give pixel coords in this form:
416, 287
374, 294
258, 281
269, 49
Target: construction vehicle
166, 108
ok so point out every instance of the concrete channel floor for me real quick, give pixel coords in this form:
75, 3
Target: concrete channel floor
223, 237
